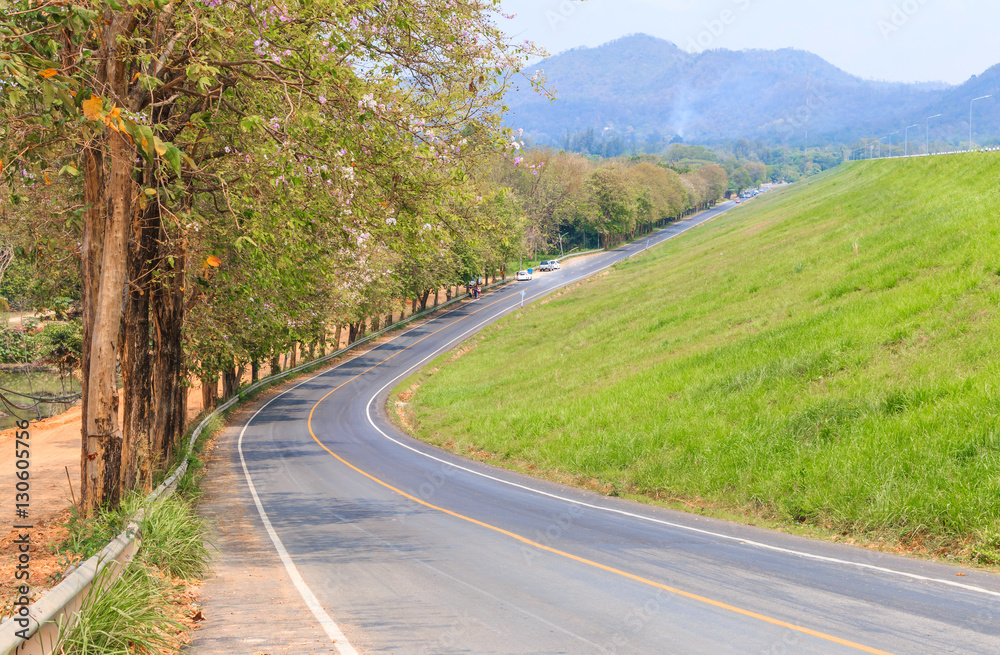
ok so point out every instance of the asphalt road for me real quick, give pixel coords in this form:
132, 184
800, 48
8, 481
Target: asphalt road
398, 547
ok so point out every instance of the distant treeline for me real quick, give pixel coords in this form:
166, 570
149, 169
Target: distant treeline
784, 164
586, 203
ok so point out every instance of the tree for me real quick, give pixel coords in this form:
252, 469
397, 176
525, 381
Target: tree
203, 128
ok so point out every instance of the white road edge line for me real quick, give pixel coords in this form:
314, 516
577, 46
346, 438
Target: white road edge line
330, 626
789, 551
344, 646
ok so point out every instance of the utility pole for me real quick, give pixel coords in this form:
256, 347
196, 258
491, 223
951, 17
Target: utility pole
927, 137
906, 148
970, 118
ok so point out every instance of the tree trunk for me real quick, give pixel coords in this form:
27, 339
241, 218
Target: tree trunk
275, 365
209, 389
376, 325
254, 371
352, 334
104, 439
229, 380
312, 350
423, 300
167, 307
437, 293
337, 336
362, 327
138, 457
91, 254
388, 320
295, 354
447, 293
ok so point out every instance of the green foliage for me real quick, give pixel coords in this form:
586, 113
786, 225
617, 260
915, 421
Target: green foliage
173, 538
61, 344
87, 536
18, 345
130, 616
16, 285
823, 355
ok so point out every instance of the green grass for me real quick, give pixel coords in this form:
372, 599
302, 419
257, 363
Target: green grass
127, 617
135, 614
824, 355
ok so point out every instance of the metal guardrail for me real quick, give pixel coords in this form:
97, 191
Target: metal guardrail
579, 254
58, 608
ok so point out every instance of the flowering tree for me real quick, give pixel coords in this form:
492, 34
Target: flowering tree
205, 133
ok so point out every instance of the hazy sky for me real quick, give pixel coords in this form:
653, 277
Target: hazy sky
893, 40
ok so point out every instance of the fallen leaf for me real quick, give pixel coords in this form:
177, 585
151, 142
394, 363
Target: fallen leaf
961, 574
198, 616
48, 72
213, 261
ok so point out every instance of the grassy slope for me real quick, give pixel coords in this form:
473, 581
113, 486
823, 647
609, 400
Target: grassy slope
826, 354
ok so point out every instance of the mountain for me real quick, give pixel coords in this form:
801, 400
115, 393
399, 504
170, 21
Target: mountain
644, 86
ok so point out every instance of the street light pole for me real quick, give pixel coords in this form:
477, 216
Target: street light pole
970, 117
928, 137
906, 148
891, 144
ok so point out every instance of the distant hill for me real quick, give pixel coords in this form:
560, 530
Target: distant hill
640, 85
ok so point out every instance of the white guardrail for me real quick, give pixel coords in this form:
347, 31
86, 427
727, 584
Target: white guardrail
34, 629
579, 254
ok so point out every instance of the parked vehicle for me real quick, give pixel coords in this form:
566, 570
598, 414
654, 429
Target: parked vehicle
555, 265
522, 276
545, 266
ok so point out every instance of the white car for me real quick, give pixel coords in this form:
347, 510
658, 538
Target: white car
545, 266
554, 265
522, 276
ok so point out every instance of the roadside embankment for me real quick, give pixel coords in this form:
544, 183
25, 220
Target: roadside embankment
822, 359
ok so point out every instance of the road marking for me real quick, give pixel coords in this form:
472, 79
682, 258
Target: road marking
344, 646
597, 565
330, 626
650, 519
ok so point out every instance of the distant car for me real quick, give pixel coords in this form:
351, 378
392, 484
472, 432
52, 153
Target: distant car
522, 276
545, 266
738, 201
555, 265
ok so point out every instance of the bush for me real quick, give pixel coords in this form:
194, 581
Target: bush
18, 345
61, 344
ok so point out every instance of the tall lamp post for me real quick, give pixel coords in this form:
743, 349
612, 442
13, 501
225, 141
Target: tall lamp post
974, 100
906, 148
928, 137
891, 144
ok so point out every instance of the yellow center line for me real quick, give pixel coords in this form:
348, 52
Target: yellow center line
576, 558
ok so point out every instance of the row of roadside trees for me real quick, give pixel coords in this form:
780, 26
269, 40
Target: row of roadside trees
599, 203
229, 179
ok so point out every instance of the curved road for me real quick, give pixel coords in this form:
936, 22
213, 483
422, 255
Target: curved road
399, 547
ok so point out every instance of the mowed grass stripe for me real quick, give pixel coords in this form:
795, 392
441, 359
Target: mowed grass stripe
824, 355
